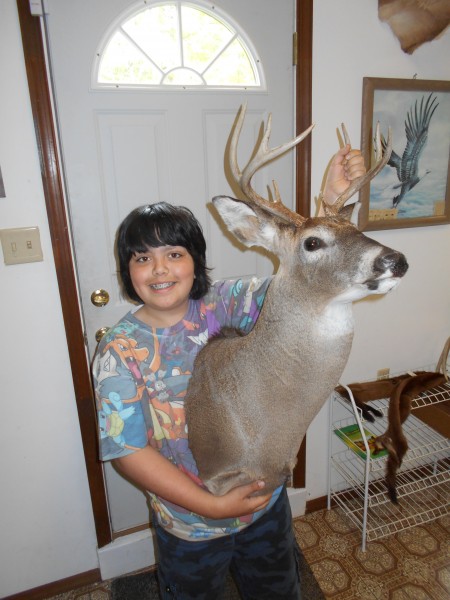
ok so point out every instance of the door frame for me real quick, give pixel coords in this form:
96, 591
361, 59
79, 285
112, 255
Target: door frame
52, 178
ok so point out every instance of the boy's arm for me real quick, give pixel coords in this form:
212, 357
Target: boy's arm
151, 471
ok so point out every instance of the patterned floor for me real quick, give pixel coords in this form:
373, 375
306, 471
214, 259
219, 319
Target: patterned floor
410, 565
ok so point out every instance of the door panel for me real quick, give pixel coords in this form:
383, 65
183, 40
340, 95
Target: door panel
122, 149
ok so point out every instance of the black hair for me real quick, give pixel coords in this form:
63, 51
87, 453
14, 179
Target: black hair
162, 224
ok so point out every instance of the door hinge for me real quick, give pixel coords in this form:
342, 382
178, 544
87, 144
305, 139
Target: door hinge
294, 49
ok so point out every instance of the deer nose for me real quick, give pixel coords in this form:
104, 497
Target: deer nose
394, 261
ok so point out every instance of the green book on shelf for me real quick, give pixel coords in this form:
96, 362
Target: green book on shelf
351, 435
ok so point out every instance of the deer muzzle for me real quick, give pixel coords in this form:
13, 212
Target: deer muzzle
388, 268
395, 262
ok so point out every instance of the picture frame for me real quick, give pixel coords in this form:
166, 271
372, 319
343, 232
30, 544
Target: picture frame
413, 189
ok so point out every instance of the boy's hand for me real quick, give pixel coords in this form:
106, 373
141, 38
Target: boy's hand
239, 501
347, 164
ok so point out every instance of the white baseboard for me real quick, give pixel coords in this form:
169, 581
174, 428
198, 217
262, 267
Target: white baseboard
127, 554
297, 500
136, 551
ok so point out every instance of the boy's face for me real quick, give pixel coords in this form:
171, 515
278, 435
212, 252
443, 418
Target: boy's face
163, 278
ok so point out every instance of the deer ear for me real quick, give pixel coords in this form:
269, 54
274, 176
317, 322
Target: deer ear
250, 227
351, 212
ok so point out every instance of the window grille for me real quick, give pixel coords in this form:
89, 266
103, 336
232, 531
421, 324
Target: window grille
176, 44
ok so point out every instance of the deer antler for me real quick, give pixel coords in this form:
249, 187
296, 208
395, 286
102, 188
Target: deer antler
357, 184
262, 156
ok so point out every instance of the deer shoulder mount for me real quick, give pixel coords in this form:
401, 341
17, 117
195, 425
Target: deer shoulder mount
251, 398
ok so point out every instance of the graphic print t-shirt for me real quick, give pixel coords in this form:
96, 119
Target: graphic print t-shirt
141, 377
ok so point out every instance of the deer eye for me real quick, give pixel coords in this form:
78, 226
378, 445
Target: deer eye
313, 243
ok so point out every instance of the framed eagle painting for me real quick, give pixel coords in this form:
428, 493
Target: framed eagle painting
413, 189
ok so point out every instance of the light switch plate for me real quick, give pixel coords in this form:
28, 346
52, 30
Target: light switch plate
21, 245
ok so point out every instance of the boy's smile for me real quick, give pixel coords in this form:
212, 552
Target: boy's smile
163, 279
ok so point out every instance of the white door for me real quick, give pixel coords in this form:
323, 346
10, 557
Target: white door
124, 147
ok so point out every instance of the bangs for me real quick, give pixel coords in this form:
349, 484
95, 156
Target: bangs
153, 231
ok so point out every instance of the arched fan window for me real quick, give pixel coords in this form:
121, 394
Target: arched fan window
178, 44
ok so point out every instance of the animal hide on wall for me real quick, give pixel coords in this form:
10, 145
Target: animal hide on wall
414, 22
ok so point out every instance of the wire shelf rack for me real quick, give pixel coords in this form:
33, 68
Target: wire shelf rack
387, 518
423, 481
440, 393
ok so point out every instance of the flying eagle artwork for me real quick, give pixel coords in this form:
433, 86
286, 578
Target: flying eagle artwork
417, 123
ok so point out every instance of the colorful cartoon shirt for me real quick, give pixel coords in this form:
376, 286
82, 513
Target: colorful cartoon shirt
141, 376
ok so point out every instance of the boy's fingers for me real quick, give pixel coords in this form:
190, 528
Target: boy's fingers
260, 502
253, 487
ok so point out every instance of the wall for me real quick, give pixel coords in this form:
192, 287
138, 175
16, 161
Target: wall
406, 329
46, 523
46, 518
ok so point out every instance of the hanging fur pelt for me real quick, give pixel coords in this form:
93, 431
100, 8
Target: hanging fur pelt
415, 22
401, 391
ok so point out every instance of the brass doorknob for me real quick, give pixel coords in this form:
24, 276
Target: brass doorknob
99, 297
100, 333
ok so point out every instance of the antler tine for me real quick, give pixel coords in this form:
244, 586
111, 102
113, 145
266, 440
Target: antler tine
262, 156
381, 161
232, 154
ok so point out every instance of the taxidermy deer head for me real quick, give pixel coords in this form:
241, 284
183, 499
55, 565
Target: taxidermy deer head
255, 395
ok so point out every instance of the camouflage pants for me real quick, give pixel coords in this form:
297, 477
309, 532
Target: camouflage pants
263, 559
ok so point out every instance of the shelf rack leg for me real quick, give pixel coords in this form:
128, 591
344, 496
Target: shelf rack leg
330, 421
366, 468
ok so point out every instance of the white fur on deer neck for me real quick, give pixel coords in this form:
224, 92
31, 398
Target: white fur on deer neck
256, 395
337, 320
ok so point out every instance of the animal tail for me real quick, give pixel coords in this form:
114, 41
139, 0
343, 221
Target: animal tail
393, 463
394, 439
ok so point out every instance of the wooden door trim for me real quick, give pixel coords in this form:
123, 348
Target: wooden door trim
303, 118
59, 232
65, 272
